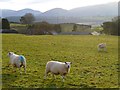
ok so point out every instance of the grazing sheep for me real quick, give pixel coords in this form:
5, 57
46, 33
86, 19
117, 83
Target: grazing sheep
17, 61
57, 68
102, 46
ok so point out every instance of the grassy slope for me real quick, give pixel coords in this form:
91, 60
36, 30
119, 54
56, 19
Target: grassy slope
90, 68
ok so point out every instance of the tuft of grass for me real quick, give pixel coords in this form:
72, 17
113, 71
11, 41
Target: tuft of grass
89, 69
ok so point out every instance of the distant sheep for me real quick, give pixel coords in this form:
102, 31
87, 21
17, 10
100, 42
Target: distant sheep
17, 60
102, 46
57, 68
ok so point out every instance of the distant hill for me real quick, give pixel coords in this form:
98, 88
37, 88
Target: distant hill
96, 14
89, 14
14, 18
55, 12
24, 11
110, 9
9, 13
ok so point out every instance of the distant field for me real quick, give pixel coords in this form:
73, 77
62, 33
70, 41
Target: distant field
21, 28
90, 68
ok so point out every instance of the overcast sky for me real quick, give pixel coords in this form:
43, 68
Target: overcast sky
44, 5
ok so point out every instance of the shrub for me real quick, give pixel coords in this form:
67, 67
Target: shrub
5, 24
112, 27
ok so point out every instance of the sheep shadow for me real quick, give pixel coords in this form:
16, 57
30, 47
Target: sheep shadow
102, 51
52, 83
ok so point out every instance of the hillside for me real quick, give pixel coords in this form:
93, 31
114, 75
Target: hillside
9, 13
110, 9
55, 12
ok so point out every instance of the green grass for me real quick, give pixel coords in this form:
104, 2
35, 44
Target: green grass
89, 69
21, 28
97, 28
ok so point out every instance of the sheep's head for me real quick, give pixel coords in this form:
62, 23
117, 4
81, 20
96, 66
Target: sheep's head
10, 53
68, 64
102, 45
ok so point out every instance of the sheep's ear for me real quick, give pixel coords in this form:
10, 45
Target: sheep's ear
65, 62
70, 62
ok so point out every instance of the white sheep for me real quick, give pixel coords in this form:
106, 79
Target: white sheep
17, 61
102, 46
57, 68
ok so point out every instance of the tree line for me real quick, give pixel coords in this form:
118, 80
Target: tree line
112, 28
39, 28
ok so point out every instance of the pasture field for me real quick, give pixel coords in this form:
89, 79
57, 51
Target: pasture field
21, 28
89, 69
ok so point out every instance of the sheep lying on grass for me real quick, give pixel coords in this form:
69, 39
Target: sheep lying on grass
17, 61
57, 68
102, 46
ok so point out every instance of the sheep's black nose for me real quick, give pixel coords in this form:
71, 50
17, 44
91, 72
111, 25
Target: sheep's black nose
68, 66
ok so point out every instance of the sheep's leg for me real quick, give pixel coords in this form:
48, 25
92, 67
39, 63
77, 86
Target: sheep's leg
63, 78
24, 68
19, 68
46, 72
14, 68
98, 49
105, 49
24, 65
